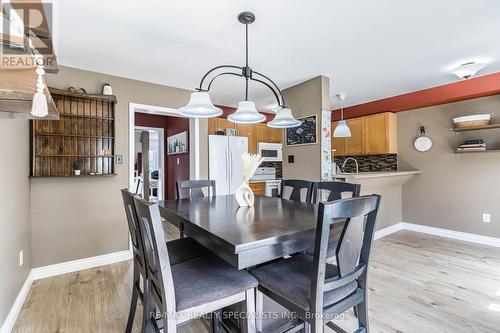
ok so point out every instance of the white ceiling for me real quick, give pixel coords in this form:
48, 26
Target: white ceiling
369, 49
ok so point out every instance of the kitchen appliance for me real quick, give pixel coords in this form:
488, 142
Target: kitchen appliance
224, 162
268, 175
270, 152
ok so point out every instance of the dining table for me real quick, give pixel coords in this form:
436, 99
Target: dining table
246, 237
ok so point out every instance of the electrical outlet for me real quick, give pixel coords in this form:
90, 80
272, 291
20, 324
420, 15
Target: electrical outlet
178, 161
486, 218
21, 258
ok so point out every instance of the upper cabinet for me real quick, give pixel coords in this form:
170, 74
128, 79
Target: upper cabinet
375, 134
254, 132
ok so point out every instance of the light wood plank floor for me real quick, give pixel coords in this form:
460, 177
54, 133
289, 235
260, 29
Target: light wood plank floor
418, 283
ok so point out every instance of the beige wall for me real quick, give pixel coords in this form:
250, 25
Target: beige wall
454, 190
77, 218
307, 98
14, 210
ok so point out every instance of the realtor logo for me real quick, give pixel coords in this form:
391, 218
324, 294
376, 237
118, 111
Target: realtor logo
25, 29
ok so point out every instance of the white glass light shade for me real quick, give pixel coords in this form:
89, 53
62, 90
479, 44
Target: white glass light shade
246, 113
200, 106
284, 119
468, 70
342, 130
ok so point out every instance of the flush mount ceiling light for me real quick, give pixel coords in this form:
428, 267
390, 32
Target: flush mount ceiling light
342, 130
468, 70
200, 105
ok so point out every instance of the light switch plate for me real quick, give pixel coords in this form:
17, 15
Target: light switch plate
119, 159
21, 258
486, 218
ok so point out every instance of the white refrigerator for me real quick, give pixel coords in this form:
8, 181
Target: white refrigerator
224, 162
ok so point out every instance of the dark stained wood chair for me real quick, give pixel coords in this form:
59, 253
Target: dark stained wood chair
335, 191
297, 188
180, 249
195, 188
192, 288
315, 290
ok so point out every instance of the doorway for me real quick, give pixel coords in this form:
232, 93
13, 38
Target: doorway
156, 162
177, 166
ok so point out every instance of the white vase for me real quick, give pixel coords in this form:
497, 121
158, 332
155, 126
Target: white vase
244, 196
77, 172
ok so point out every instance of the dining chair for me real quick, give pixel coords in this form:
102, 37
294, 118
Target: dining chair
180, 249
335, 191
296, 188
194, 188
316, 290
192, 288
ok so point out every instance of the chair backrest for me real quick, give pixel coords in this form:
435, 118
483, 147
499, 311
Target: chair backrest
335, 190
353, 250
297, 187
195, 188
133, 224
157, 259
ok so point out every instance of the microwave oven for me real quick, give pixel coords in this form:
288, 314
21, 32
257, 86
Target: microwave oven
270, 152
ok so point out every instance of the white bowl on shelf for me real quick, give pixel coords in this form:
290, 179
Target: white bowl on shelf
472, 120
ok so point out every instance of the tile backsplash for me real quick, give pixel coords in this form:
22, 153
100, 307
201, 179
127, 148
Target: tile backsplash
370, 163
277, 165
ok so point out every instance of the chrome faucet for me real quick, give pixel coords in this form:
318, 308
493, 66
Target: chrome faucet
355, 161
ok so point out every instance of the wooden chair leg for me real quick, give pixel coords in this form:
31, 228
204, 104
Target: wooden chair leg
307, 327
216, 317
146, 307
248, 324
133, 301
259, 310
362, 314
317, 326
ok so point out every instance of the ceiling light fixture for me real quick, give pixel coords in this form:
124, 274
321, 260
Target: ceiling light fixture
468, 70
200, 104
342, 130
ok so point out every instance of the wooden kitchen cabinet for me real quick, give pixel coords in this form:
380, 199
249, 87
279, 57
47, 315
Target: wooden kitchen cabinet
262, 133
337, 143
258, 188
248, 130
275, 135
354, 144
380, 134
375, 134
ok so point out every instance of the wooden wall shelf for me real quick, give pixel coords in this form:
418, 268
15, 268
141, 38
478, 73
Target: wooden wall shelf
477, 151
475, 128
81, 176
85, 130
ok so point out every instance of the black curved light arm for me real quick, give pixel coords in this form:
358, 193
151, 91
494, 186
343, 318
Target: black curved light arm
223, 73
214, 69
274, 90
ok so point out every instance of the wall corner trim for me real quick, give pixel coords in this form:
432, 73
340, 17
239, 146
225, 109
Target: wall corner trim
11, 318
80, 264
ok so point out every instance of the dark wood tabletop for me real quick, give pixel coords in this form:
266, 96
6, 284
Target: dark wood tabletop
245, 236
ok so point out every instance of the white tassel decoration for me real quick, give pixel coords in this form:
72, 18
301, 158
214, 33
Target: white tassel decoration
244, 195
39, 107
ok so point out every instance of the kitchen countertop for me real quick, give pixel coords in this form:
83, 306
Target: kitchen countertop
364, 175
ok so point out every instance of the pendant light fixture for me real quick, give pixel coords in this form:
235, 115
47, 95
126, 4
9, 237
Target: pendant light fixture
201, 106
342, 130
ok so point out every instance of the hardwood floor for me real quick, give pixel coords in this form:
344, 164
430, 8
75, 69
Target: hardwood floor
418, 283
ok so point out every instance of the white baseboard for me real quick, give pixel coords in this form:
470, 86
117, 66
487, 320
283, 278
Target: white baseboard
81, 264
11, 318
463, 236
388, 230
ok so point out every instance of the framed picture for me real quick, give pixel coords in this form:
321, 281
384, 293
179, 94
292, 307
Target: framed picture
305, 134
177, 144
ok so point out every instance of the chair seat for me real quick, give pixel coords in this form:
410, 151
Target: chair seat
291, 279
182, 249
333, 240
206, 279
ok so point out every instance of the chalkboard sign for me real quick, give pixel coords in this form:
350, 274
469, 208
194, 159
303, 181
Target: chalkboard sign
305, 134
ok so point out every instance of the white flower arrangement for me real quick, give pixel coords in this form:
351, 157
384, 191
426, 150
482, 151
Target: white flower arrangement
250, 164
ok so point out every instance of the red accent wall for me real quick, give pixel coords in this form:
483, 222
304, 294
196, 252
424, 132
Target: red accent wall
172, 126
482, 86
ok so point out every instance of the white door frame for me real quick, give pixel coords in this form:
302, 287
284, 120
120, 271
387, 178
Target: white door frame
161, 147
194, 134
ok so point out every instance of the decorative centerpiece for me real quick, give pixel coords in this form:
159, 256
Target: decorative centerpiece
244, 195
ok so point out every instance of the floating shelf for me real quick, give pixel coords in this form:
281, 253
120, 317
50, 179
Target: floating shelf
75, 135
475, 128
86, 175
477, 151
